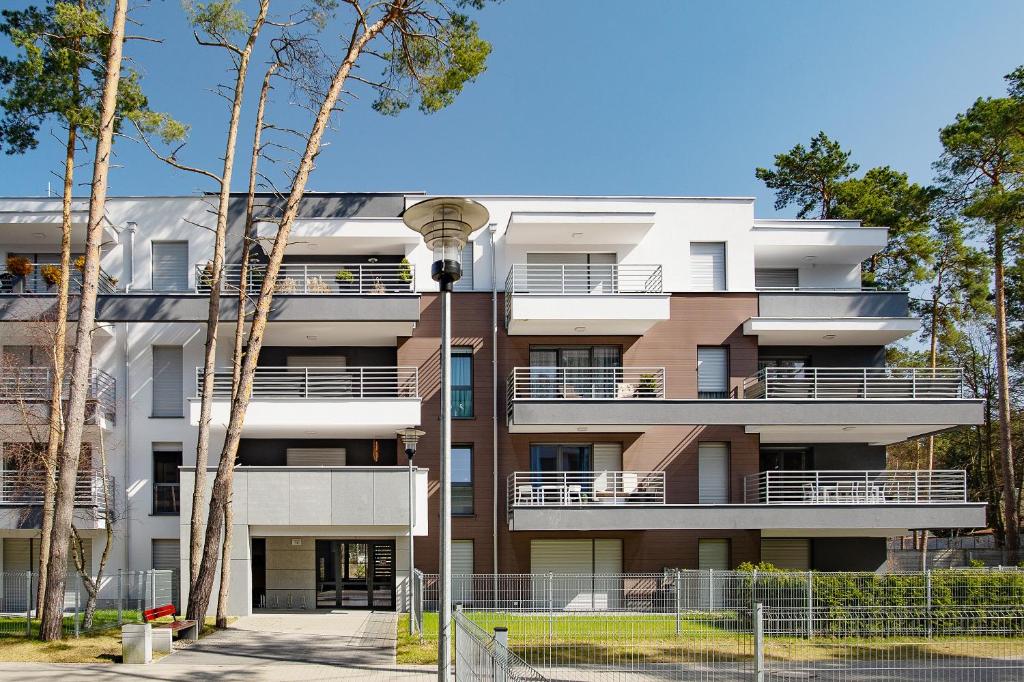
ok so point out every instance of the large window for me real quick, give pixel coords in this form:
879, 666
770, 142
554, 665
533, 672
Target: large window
712, 372
462, 480
168, 381
575, 371
462, 382
558, 457
166, 478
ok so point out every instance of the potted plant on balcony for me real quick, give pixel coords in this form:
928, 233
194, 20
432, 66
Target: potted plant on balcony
206, 276
51, 274
405, 270
648, 387
18, 268
346, 280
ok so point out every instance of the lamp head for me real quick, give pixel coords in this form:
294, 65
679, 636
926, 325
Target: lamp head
445, 224
410, 437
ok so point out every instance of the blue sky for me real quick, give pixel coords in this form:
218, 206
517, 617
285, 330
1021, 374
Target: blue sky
615, 98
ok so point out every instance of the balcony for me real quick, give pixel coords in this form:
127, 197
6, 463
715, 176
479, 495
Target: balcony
356, 500
831, 317
329, 402
856, 383
610, 299
538, 396
34, 283
21, 499
804, 503
318, 279
25, 396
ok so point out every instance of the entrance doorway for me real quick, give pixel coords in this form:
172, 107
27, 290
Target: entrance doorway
355, 574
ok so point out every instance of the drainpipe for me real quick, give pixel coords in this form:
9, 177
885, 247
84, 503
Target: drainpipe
492, 229
129, 273
127, 445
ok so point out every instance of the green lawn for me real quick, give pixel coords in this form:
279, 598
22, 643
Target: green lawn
103, 619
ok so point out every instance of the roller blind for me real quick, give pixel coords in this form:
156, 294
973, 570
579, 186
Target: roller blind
170, 266
793, 554
167, 557
776, 278
713, 553
607, 457
712, 372
168, 378
713, 473
466, 259
707, 266
316, 361
315, 457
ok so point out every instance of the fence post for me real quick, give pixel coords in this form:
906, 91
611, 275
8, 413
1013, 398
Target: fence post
28, 603
711, 589
152, 588
120, 597
928, 599
500, 660
759, 642
679, 588
551, 605
459, 646
810, 604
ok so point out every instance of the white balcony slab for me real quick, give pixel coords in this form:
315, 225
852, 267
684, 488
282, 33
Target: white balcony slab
787, 243
352, 236
830, 331
586, 314
324, 418
578, 227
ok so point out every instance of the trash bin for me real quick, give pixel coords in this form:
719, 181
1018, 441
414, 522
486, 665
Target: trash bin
136, 643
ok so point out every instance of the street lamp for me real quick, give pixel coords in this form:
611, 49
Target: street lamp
445, 224
410, 437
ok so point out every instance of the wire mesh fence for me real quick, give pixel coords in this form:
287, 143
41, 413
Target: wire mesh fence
121, 597
483, 656
740, 625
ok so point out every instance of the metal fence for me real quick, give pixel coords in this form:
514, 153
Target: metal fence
885, 486
483, 656
329, 279
320, 383
123, 596
584, 488
857, 383
586, 383
740, 625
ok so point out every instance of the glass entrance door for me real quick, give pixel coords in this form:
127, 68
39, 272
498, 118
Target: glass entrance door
355, 574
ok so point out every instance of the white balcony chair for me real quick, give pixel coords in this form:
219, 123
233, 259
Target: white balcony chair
574, 490
625, 391
525, 495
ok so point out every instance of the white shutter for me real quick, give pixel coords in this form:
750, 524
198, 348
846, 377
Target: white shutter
713, 372
776, 278
315, 457
793, 554
561, 556
167, 557
465, 283
607, 456
707, 266
607, 556
168, 381
16, 555
170, 266
713, 553
462, 565
713, 473
316, 361
586, 573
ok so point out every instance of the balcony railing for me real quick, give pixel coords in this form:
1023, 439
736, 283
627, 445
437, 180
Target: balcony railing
581, 279
321, 383
25, 489
33, 385
855, 383
329, 279
33, 283
585, 488
586, 383
856, 487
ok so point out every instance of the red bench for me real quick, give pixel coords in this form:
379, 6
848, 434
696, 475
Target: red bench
149, 615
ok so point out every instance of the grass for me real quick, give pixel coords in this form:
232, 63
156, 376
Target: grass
93, 647
651, 639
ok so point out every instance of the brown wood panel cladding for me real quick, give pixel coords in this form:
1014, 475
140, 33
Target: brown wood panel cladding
696, 320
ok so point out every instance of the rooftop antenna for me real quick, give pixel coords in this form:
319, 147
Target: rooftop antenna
49, 192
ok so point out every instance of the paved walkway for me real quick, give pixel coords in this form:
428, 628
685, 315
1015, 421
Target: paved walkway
339, 645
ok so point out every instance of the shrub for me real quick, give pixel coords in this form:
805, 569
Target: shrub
51, 274
19, 266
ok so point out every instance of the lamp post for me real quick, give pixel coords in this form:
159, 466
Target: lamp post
445, 224
410, 437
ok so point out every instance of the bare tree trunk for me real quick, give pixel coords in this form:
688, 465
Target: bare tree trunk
225, 567
933, 354
1003, 395
213, 310
92, 582
56, 431
200, 599
53, 602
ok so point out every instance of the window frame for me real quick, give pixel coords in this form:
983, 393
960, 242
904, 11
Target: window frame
156, 485
464, 485
465, 352
726, 392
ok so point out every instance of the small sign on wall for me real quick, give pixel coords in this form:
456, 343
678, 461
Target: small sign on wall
296, 542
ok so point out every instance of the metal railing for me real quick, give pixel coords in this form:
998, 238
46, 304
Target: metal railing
483, 656
856, 487
32, 384
585, 488
34, 283
836, 290
317, 278
586, 383
583, 279
321, 383
25, 488
856, 383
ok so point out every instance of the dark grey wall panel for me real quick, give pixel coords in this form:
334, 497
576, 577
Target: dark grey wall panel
848, 554
833, 304
354, 356
829, 356
270, 452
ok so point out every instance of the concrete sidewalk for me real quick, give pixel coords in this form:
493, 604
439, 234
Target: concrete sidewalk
340, 645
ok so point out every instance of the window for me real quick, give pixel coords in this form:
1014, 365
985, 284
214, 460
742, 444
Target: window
168, 381
713, 553
166, 478
712, 373
555, 457
170, 266
707, 266
776, 278
462, 480
575, 371
462, 382
465, 283
713, 473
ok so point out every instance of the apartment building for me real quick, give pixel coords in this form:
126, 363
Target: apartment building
639, 384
